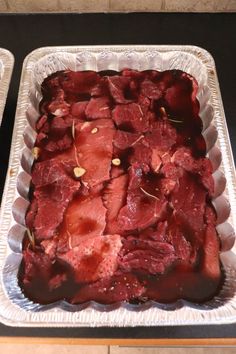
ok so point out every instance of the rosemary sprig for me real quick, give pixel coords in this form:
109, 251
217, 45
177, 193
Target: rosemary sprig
31, 237
148, 194
175, 120
73, 129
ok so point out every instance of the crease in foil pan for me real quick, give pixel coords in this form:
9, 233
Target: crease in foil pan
15, 308
6, 67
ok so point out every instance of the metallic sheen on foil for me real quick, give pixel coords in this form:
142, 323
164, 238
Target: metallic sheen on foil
15, 308
6, 66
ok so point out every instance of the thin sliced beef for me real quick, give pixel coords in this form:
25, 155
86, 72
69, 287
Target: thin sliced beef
180, 97
94, 259
123, 140
179, 236
98, 108
202, 167
78, 109
101, 89
58, 106
162, 135
58, 127
144, 205
78, 83
130, 117
40, 273
114, 197
37, 266
52, 201
53, 191
189, 198
134, 74
141, 155
151, 89
47, 172
94, 150
146, 256
59, 145
118, 85
211, 260
122, 287
83, 219
31, 213
55, 134
41, 122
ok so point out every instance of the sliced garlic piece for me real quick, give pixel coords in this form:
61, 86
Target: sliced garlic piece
79, 171
116, 162
36, 152
94, 130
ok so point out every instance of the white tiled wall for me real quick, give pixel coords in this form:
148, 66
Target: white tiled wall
116, 5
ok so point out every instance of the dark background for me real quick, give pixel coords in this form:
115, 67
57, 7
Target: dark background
215, 32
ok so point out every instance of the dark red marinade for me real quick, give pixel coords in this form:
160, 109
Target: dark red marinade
121, 192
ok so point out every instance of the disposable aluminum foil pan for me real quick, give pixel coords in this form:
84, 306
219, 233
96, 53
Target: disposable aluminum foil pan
15, 308
6, 66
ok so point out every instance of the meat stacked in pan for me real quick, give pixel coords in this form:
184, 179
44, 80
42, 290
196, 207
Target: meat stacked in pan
121, 192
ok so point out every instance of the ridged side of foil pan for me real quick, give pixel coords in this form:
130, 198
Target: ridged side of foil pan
6, 67
15, 308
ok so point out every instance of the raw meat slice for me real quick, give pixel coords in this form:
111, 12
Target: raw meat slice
58, 127
93, 143
52, 202
101, 89
78, 83
124, 140
134, 74
58, 145
37, 266
162, 135
94, 259
211, 261
189, 197
31, 213
114, 197
180, 238
84, 218
142, 155
180, 98
98, 108
41, 122
58, 106
130, 117
123, 287
144, 207
78, 109
151, 90
202, 167
53, 191
47, 172
146, 256
118, 85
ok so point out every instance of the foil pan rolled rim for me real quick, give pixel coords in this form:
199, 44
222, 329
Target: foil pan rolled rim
15, 309
6, 67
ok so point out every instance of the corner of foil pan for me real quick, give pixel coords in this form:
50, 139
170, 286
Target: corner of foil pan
6, 67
